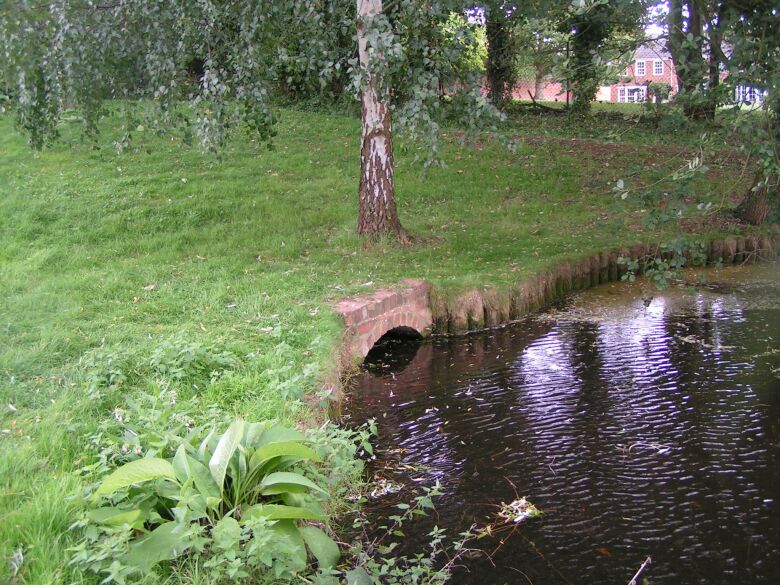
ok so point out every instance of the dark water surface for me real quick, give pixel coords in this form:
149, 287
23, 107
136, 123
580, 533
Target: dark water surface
639, 426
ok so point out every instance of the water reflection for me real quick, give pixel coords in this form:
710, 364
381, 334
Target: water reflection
639, 429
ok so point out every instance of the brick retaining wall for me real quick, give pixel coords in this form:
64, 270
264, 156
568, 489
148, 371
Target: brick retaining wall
369, 317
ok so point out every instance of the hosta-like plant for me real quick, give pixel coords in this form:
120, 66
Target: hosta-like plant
226, 496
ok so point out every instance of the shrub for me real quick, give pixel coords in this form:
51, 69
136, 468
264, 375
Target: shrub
239, 497
179, 360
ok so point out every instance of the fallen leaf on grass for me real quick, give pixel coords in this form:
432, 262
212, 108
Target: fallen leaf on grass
150, 286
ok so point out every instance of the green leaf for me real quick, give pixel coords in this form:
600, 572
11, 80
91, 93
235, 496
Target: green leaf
358, 577
282, 449
180, 465
227, 445
159, 545
115, 516
253, 433
287, 531
279, 434
188, 468
280, 512
303, 500
227, 533
136, 472
321, 546
284, 481
242, 463
204, 450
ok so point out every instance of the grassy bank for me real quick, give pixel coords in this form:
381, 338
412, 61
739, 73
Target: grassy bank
164, 269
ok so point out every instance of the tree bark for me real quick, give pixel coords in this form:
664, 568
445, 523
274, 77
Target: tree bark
687, 17
500, 76
714, 61
539, 73
756, 206
377, 213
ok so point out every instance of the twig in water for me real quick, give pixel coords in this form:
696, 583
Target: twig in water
527, 578
648, 560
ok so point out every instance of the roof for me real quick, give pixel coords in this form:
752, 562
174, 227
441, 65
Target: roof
652, 50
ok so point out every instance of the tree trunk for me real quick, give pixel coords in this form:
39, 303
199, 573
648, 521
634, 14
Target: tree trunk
714, 61
539, 72
377, 210
686, 17
500, 76
756, 206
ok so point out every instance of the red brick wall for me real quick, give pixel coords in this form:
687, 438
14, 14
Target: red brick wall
369, 317
551, 91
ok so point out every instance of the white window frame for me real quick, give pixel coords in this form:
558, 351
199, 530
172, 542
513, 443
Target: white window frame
658, 67
745, 94
643, 66
632, 94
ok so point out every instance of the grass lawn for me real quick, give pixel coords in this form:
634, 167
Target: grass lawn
144, 271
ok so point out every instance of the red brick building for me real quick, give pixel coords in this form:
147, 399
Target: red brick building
652, 64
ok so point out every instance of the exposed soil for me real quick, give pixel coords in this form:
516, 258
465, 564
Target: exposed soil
598, 148
717, 221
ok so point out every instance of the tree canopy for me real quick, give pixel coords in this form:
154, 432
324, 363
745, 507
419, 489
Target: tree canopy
203, 70
223, 58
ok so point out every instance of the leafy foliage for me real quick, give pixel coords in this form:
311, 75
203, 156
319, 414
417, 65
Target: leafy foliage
174, 361
593, 26
377, 561
180, 360
540, 47
238, 496
226, 61
666, 262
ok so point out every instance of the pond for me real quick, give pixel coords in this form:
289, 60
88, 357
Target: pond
641, 423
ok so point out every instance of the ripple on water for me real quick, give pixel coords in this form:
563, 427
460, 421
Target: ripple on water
637, 430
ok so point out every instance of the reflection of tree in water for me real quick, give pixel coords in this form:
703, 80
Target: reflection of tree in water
635, 436
439, 412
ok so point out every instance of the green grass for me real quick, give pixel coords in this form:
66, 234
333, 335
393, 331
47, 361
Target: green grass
105, 256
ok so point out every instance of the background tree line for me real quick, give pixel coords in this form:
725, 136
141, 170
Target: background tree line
204, 70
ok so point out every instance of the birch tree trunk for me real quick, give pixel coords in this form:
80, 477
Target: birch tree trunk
377, 210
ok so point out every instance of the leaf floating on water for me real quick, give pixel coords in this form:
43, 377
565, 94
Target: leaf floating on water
602, 550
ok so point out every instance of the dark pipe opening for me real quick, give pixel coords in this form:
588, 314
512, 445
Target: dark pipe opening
393, 351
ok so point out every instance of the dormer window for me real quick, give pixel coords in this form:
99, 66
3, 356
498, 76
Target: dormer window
640, 68
658, 67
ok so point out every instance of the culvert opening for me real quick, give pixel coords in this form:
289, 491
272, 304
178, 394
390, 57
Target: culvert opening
393, 351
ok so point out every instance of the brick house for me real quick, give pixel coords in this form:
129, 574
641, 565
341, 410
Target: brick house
652, 64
